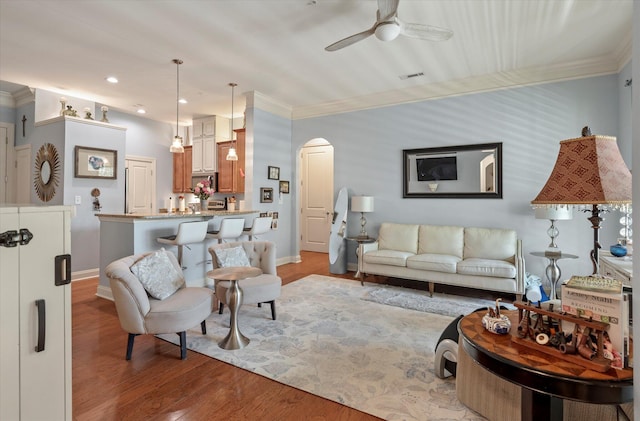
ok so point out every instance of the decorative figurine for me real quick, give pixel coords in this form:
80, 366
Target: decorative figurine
63, 101
495, 322
104, 110
87, 113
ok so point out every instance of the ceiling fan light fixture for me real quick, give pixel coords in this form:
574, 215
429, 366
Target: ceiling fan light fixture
387, 31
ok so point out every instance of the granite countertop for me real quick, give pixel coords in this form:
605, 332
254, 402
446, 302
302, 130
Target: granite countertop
174, 215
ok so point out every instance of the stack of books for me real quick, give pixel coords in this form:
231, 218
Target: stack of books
601, 299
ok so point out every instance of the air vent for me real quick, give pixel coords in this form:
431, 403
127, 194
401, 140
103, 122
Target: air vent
404, 77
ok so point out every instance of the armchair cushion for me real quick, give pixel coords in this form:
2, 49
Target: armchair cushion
158, 274
232, 256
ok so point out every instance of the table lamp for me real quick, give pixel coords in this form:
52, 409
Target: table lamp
553, 214
362, 204
589, 171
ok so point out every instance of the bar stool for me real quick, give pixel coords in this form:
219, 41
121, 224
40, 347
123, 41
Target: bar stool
230, 229
261, 225
188, 233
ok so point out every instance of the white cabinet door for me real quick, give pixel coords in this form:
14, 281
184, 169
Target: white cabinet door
9, 321
197, 155
208, 154
209, 126
197, 128
44, 385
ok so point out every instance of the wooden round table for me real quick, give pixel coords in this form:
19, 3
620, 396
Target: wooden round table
545, 379
234, 339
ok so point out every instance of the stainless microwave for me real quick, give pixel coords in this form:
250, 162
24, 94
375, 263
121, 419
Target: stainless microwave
196, 178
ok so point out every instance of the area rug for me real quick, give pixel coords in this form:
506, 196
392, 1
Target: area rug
329, 342
445, 304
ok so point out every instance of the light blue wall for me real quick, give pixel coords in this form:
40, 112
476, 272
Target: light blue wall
272, 147
529, 121
8, 115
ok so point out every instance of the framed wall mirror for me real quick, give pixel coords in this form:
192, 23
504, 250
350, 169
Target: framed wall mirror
466, 171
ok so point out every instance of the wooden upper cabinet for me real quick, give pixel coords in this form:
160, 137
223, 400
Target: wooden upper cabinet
231, 173
182, 170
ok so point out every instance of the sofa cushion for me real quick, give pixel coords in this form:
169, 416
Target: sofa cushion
399, 237
490, 243
433, 261
441, 240
487, 267
387, 257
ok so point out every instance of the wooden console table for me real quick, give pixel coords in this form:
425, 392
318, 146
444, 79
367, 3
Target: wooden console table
545, 379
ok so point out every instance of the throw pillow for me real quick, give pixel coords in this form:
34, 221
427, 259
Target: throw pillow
158, 274
232, 256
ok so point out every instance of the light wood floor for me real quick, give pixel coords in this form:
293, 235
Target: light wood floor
157, 385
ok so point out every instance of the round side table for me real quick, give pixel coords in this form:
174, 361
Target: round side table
359, 252
553, 271
234, 339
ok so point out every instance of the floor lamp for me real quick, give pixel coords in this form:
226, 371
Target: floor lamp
589, 173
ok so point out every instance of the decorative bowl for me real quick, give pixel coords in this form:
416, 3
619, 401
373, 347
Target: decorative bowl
618, 250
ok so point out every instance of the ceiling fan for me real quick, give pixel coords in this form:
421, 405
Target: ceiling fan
388, 26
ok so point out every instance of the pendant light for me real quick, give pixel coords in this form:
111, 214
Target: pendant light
176, 145
232, 156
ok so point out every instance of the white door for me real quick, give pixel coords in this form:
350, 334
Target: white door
23, 174
316, 197
141, 184
7, 164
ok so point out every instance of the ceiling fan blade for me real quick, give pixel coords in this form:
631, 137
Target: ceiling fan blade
428, 32
387, 9
351, 40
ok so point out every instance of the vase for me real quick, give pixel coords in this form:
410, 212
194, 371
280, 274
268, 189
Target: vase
204, 204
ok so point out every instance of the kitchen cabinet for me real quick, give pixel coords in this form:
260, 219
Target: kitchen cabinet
231, 173
182, 170
35, 313
206, 132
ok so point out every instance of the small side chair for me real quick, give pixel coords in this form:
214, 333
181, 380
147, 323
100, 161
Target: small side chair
141, 314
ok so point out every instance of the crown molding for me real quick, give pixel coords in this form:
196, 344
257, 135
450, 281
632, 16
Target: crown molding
258, 100
6, 100
484, 83
24, 96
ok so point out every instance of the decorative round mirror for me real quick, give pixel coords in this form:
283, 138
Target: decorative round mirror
47, 172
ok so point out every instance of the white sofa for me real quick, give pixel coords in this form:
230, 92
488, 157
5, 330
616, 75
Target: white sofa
482, 258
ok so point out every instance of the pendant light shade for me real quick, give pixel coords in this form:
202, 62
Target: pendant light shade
232, 156
176, 145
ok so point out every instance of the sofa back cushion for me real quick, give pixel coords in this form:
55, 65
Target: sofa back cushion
490, 243
400, 237
436, 239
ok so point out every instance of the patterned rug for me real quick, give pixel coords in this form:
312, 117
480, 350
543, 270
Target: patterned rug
330, 342
445, 304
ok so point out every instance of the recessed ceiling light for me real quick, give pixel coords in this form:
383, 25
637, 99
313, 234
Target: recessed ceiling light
112, 79
142, 111
182, 101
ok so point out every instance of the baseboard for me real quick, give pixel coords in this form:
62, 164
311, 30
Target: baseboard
288, 259
104, 292
85, 274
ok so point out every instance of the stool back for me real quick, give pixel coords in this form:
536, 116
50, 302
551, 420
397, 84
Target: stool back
260, 225
191, 232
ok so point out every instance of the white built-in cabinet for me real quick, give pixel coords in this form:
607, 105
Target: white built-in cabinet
206, 132
35, 313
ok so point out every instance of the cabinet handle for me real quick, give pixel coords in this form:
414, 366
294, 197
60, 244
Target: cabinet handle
42, 325
62, 269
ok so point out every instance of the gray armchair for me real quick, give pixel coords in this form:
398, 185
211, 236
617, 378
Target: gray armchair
264, 288
140, 313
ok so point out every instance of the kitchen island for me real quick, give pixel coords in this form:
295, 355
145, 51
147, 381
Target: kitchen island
125, 234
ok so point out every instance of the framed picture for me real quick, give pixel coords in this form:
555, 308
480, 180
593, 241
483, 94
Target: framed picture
274, 173
274, 224
96, 163
284, 187
266, 195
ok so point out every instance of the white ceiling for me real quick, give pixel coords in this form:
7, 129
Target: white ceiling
276, 47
